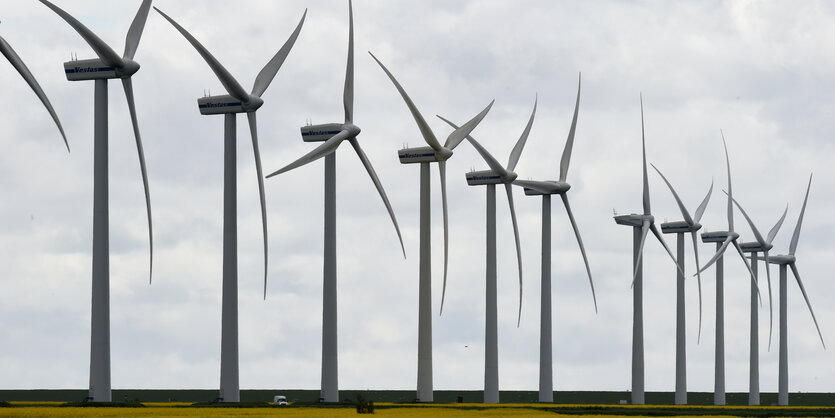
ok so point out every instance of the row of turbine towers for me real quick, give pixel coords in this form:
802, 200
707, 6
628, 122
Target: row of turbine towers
110, 66
644, 223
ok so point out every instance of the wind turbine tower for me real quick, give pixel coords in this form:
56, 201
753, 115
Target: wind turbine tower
760, 245
109, 65
641, 225
490, 178
434, 153
723, 239
786, 261
332, 135
237, 101
546, 189
688, 225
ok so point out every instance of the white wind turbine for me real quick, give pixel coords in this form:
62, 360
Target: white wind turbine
490, 178
21, 68
426, 155
546, 189
641, 225
755, 247
238, 101
691, 225
723, 239
108, 65
784, 261
333, 134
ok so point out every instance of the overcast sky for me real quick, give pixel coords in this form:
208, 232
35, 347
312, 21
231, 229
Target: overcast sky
756, 70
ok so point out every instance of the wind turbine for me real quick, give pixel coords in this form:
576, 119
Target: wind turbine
108, 65
546, 189
238, 101
333, 134
21, 68
760, 245
723, 239
496, 175
691, 225
424, 156
641, 225
784, 261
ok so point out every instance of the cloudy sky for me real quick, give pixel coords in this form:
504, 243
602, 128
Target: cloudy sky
753, 69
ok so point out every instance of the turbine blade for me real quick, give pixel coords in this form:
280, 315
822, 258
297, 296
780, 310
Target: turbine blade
754, 229
647, 210
520, 143
348, 94
21, 68
716, 256
229, 83
379, 186
425, 130
253, 131
730, 189
322, 150
806, 297
644, 232
136, 28
681, 207
491, 161
104, 51
701, 209
770, 302
658, 235
569, 143
539, 186
751, 272
267, 74
442, 171
509, 189
796, 235
459, 134
698, 279
128, 85
773, 232
580, 243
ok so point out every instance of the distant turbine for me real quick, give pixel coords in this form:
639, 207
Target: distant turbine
333, 134
755, 247
109, 65
722, 240
425, 155
789, 261
21, 68
546, 189
641, 225
496, 175
238, 101
691, 225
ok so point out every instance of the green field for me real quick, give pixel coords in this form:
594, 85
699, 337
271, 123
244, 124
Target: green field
407, 396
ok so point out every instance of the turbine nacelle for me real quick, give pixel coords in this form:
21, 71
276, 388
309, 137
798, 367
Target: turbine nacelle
781, 259
718, 236
754, 247
634, 219
222, 104
547, 188
423, 155
480, 178
97, 69
679, 227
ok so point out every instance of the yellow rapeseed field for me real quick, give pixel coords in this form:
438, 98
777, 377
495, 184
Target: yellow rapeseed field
157, 411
